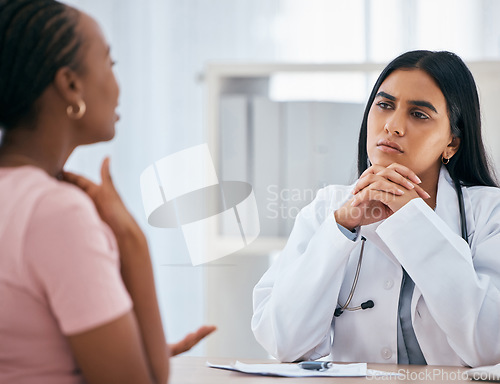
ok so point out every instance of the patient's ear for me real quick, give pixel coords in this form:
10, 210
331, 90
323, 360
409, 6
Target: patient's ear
69, 85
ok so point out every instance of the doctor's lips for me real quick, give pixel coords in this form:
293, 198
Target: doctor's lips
389, 146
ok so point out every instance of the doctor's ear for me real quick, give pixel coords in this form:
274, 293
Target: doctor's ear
452, 148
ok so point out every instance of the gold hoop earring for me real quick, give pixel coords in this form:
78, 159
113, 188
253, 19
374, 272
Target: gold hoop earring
82, 108
445, 160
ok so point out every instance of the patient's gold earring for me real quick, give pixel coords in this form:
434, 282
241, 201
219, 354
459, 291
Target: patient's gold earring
82, 108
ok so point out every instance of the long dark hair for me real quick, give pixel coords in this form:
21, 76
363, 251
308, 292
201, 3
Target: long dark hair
470, 165
37, 37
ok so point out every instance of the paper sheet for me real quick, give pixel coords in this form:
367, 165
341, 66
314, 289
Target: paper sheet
489, 373
293, 370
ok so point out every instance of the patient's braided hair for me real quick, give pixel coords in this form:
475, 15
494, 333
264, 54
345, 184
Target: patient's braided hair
37, 37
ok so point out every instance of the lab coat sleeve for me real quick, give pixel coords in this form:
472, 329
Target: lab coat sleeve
295, 299
460, 285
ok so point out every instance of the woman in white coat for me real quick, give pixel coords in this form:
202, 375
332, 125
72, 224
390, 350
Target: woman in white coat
421, 225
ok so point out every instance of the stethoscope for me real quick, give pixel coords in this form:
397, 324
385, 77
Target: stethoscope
370, 304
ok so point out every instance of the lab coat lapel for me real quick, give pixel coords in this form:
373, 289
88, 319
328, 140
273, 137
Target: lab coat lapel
447, 207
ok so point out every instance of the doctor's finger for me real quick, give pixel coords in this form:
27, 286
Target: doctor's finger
406, 172
396, 177
367, 195
379, 182
421, 192
400, 169
373, 169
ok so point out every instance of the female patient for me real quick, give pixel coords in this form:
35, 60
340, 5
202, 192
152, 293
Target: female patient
77, 296
403, 266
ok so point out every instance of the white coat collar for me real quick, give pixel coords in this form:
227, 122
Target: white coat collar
447, 207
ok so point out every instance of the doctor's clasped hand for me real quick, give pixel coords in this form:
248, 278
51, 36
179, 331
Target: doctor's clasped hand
379, 192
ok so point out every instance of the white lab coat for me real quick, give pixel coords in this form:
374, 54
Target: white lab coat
456, 301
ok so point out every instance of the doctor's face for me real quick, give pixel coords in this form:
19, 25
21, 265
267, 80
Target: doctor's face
408, 123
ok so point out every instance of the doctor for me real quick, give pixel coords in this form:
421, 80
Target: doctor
404, 265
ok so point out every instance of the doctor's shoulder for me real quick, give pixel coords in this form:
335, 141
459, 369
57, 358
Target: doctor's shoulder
485, 203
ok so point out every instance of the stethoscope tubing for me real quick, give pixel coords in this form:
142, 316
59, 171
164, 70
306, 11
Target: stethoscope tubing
355, 282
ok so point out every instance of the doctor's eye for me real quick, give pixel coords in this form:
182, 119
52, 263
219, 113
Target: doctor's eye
420, 115
384, 105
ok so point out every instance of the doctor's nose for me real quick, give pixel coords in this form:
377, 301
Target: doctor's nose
394, 128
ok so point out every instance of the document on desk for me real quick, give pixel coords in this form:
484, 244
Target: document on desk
488, 373
293, 370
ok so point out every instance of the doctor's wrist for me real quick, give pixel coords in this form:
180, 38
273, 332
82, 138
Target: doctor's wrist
344, 220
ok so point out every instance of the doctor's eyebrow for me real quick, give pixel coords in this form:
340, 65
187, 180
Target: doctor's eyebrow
422, 103
418, 103
386, 95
